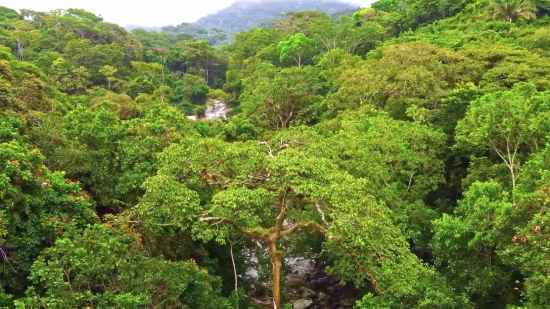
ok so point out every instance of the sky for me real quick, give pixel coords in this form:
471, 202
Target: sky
143, 13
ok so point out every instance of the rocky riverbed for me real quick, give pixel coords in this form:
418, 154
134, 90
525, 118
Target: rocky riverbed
313, 290
320, 291
215, 109
307, 286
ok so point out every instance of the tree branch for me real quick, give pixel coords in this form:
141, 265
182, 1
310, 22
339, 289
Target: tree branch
321, 212
409, 186
253, 234
298, 226
157, 224
6, 260
234, 269
282, 214
270, 152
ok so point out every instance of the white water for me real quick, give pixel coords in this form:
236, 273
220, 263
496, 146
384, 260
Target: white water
215, 109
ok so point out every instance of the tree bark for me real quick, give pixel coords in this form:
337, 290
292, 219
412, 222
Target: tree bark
234, 272
276, 260
20, 50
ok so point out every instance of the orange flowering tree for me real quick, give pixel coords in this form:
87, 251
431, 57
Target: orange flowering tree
105, 266
37, 205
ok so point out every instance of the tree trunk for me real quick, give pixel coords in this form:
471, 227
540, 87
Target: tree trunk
513, 175
234, 273
20, 50
276, 259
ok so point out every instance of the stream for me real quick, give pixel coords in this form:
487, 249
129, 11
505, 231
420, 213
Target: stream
215, 109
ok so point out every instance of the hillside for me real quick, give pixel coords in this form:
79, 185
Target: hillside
396, 159
217, 28
215, 37
245, 15
129, 28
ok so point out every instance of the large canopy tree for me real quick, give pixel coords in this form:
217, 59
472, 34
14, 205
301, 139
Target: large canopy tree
267, 191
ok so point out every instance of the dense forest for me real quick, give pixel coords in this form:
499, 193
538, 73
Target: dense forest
404, 150
242, 15
218, 28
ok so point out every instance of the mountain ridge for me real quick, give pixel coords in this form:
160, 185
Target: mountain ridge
243, 15
217, 28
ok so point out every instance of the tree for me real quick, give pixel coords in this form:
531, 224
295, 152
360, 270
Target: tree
512, 10
527, 248
363, 15
248, 43
105, 265
277, 96
6, 86
401, 159
368, 250
202, 57
101, 55
117, 155
23, 34
109, 73
163, 93
509, 123
124, 108
271, 190
299, 22
503, 66
260, 201
150, 71
37, 204
68, 78
345, 35
294, 47
467, 244
408, 74
266, 192
139, 85
191, 88
8, 14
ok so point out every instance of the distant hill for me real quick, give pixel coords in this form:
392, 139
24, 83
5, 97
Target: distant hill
215, 37
348, 13
132, 27
243, 15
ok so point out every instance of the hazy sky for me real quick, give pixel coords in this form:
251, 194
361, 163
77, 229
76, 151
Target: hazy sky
143, 13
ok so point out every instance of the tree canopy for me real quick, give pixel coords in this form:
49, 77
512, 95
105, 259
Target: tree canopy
400, 149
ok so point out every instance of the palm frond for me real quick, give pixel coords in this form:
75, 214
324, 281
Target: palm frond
511, 10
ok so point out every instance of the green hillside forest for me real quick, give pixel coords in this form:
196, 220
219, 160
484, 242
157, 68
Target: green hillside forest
219, 28
242, 15
403, 152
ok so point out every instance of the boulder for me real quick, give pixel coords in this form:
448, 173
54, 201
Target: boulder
346, 303
302, 304
307, 293
323, 295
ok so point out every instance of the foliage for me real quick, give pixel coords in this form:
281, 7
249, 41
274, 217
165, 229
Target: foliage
243, 16
294, 47
511, 10
281, 95
105, 266
37, 205
406, 143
